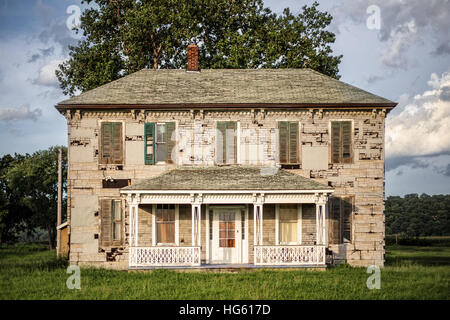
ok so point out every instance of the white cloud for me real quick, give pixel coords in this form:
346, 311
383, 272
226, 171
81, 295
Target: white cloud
20, 113
47, 76
422, 128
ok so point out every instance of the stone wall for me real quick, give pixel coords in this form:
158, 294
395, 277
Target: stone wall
196, 134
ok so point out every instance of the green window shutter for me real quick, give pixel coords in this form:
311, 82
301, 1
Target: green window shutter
170, 141
335, 142
283, 129
293, 142
221, 142
149, 142
117, 143
346, 141
106, 142
106, 222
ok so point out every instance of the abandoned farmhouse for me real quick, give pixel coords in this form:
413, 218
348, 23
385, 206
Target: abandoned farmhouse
205, 168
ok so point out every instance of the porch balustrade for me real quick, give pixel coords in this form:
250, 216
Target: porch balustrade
290, 255
164, 256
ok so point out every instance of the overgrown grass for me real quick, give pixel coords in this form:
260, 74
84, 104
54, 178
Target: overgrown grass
31, 272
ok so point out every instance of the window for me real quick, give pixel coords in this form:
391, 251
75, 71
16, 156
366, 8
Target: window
226, 142
341, 216
111, 144
116, 220
288, 224
165, 223
161, 139
341, 142
226, 230
159, 142
111, 222
288, 142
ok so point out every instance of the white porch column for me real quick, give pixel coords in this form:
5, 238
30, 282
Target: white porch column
133, 204
318, 233
325, 224
196, 219
258, 220
130, 221
321, 229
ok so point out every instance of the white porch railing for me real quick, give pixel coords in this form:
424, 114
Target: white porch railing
164, 256
290, 255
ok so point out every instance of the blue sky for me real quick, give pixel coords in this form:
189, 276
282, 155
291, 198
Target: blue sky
406, 59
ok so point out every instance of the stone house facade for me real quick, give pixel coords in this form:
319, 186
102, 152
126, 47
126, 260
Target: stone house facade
201, 168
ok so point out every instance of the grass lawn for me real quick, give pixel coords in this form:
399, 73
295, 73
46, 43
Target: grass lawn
31, 272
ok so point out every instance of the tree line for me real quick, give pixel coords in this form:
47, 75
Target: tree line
416, 216
28, 194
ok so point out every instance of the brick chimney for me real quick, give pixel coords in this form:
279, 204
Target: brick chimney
192, 57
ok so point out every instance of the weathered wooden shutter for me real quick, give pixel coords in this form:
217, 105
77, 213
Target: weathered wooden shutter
111, 149
149, 142
106, 139
106, 222
221, 142
283, 129
171, 141
293, 142
346, 141
334, 233
347, 210
117, 143
335, 141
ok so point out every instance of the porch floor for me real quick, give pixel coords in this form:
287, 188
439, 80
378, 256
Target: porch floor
230, 267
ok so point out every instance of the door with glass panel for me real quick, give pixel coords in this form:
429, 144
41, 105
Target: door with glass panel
226, 237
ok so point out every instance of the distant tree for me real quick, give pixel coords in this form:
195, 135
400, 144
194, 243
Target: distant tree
415, 215
13, 214
35, 180
124, 36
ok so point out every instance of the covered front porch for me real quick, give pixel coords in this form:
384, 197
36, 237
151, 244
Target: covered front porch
243, 220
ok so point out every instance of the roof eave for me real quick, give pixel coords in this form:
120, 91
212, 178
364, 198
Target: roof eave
182, 191
176, 106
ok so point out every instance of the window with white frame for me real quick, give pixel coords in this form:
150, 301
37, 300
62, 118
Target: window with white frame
165, 223
288, 224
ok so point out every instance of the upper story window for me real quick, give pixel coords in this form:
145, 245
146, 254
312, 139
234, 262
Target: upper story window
111, 222
341, 217
341, 142
288, 142
111, 143
226, 151
159, 142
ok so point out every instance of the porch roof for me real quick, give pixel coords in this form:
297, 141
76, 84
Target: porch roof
228, 178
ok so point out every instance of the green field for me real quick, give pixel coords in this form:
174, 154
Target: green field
411, 272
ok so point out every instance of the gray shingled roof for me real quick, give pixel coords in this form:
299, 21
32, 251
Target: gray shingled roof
228, 178
225, 86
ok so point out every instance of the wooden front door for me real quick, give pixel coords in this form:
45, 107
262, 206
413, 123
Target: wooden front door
226, 239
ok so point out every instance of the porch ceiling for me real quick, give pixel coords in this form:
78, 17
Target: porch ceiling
228, 178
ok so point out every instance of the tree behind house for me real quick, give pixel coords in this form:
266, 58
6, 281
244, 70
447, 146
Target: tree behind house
34, 182
121, 37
